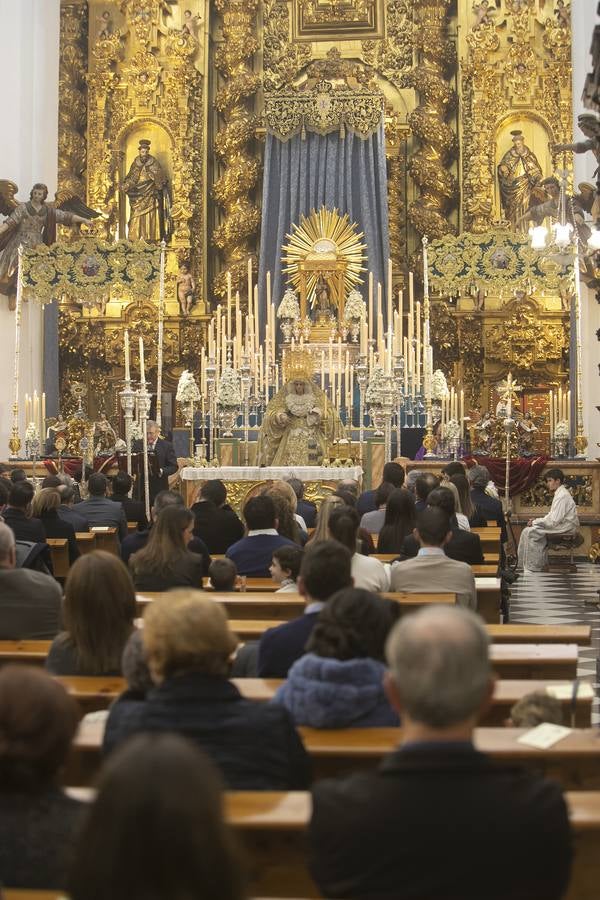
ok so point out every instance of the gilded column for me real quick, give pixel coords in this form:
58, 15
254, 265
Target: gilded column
429, 166
234, 236
72, 102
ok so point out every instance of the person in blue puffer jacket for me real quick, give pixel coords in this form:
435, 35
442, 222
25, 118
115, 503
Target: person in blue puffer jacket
338, 683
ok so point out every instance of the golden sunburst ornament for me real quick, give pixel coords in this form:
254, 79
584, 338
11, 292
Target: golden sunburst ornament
324, 235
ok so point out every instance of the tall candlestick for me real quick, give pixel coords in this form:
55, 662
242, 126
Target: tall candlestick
389, 294
400, 317
126, 348
142, 365
250, 291
229, 304
371, 322
43, 419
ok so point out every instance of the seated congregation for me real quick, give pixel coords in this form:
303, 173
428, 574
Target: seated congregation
182, 738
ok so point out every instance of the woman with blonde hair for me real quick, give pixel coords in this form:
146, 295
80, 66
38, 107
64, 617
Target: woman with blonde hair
165, 562
467, 508
461, 518
189, 648
98, 613
287, 526
45, 506
321, 532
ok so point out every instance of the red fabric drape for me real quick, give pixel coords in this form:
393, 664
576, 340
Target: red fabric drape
522, 472
72, 465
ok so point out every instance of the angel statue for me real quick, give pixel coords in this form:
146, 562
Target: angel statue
32, 223
299, 422
589, 124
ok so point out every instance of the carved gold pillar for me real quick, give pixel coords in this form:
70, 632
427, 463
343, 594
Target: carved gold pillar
233, 59
72, 105
437, 141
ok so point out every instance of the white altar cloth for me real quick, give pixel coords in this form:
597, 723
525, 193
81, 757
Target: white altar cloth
271, 473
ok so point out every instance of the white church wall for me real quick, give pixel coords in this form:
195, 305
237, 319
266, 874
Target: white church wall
29, 50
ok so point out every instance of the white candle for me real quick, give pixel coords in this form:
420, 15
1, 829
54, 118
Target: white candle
371, 323
229, 304
250, 291
43, 421
322, 370
127, 361
142, 365
389, 294
462, 413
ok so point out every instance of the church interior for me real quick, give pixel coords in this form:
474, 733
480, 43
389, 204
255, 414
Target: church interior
284, 269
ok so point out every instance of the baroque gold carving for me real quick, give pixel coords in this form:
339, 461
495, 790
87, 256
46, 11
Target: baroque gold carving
393, 55
429, 166
525, 339
72, 110
231, 190
283, 58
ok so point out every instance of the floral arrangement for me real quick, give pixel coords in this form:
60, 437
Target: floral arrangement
187, 389
355, 307
451, 430
136, 431
31, 433
439, 385
289, 307
561, 429
229, 393
377, 388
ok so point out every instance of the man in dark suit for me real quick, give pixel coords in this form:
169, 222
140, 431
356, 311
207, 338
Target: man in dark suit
305, 508
489, 507
424, 485
325, 569
393, 473
137, 540
30, 601
16, 514
428, 823
462, 546
215, 521
162, 461
253, 554
68, 511
99, 510
133, 509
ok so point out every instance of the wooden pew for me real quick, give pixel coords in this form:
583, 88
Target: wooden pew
94, 694
131, 527
535, 660
86, 541
106, 539
59, 551
31, 653
574, 762
489, 537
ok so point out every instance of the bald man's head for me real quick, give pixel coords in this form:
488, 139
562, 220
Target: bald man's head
7, 547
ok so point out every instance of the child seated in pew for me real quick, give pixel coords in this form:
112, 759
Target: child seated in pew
156, 828
338, 683
534, 709
285, 567
223, 575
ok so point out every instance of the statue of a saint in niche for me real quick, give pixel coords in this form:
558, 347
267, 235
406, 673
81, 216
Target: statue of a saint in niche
518, 174
147, 187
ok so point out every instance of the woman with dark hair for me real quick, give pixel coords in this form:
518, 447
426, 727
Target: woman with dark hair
400, 518
156, 829
38, 822
45, 506
338, 683
467, 507
368, 573
98, 613
165, 561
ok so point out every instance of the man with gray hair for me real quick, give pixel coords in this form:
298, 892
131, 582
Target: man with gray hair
486, 503
29, 601
439, 819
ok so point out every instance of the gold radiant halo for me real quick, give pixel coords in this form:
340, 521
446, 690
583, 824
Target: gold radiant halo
325, 232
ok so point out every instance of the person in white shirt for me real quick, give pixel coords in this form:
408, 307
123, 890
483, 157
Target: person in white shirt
562, 519
368, 573
285, 568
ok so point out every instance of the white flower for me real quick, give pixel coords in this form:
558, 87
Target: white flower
439, 385
561, 429
289, 307
229, 392
136, 431
451, 430
187, 389
377, 388
355, 307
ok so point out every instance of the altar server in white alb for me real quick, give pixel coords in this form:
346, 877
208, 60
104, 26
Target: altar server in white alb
562, 519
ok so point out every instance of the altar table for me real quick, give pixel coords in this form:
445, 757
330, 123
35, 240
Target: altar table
246, 481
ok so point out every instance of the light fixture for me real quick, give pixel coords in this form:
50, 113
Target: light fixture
539, 236
562, 234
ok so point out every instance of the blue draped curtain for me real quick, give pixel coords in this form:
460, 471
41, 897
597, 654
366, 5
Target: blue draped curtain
323, 170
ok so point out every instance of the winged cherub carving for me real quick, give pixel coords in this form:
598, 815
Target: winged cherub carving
30, 224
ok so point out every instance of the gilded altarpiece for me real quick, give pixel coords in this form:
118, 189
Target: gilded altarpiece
456, 78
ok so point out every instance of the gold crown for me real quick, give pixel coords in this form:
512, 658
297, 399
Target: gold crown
298, 365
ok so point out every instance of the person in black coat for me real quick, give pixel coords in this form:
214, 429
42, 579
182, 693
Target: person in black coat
188, 648
17, 514
215, 522
304, 508
137, 540
67, 510
45, 506
166, 562
489, 507
161, 458
463, 546
393, 474
38, 821
428, 823
134, 509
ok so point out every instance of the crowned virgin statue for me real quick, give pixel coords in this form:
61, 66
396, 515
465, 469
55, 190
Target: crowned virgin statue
299, 422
